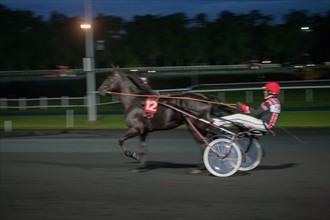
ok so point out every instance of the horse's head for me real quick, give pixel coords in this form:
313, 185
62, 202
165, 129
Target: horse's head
111, 83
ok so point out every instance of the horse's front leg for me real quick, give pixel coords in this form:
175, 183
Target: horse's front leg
142, 155
130, 133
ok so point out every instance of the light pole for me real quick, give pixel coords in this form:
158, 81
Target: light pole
306, 44
89, 63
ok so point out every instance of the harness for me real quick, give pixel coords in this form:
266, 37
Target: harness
233, 106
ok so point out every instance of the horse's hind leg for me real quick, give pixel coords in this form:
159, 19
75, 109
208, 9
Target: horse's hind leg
201, 139
130, 133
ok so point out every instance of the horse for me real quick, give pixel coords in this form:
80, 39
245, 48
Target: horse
164, 119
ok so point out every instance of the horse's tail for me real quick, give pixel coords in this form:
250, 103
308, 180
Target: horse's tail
221, 110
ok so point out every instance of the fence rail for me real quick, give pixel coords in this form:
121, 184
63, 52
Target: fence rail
22, 103
141, 68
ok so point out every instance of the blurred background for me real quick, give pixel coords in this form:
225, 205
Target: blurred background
41, 57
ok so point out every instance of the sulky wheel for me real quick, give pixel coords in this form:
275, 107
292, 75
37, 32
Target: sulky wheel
222, 157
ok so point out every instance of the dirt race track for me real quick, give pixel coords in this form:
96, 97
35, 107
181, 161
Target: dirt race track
84, 175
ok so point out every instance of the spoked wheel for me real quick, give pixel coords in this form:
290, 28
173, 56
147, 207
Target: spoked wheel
222, 157
251, 152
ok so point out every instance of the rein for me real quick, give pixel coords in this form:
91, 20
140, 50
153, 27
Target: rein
174, 97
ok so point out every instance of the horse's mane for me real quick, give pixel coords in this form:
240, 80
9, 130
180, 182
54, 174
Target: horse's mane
138, 82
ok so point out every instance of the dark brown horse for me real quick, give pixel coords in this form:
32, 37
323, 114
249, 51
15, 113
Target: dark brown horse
164, 119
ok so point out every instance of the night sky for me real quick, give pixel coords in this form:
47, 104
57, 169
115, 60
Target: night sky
129, 8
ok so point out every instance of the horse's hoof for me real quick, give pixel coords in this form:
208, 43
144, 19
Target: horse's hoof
139, 170
136, 156
196, 171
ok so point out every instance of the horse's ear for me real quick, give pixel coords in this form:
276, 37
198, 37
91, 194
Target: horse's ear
116, 71
115, 66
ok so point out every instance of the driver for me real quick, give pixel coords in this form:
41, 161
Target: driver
262, 118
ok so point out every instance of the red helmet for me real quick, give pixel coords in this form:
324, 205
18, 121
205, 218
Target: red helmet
273, 87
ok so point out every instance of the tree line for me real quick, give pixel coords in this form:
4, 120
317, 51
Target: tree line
28, 41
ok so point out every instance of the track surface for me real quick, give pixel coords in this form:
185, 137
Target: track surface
84, 175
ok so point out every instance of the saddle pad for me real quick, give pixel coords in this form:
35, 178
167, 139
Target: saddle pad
150, 107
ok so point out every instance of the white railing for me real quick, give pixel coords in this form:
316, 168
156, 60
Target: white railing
22, 103
43, 102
